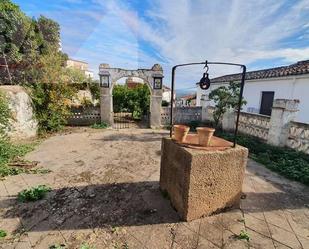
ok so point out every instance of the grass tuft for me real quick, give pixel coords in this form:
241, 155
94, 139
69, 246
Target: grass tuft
34, 193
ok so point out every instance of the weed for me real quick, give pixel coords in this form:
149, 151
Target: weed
86, 246
34, 193
114, 229
2, 233
8, 153
292, 164
58, 246
39, 171
99, 126
122, 246
243, 235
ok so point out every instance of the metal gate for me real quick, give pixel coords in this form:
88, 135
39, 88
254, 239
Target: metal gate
125, 120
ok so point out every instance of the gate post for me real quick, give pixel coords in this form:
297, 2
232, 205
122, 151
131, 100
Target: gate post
106, 106
106, 98
283, 112
155, 109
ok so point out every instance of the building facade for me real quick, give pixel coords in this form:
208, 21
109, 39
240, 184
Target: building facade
80, 65
263, 86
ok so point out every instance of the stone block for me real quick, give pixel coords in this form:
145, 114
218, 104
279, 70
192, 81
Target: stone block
200, 182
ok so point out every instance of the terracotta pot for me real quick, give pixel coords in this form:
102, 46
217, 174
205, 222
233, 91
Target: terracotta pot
204, 135
180, 132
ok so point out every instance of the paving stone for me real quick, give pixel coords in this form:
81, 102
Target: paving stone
212, 232
285, 237
14, 184
233, 221
185, 237
277, 218
257, 225
299, 222
259, 241
304, 242
231, 241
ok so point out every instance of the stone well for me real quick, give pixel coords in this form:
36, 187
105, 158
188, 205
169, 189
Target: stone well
200, 182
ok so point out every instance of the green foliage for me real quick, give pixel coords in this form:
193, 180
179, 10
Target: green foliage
24, 40
99, 126
135, 100
287, 162
225, 98
4, 114
94, 87
3, 233
86, 246
243, 235
34, 193
52, 104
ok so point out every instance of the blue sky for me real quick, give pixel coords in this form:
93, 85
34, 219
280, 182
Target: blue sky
139, 33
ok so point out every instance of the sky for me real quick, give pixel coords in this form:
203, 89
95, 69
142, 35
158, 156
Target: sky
135, 34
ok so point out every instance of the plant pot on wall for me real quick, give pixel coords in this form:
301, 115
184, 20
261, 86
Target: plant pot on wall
204, 135
180, 132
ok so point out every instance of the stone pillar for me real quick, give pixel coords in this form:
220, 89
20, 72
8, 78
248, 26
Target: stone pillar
229, 120
283, 112
155, 109
106, 105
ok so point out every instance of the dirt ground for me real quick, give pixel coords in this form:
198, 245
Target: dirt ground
105, 193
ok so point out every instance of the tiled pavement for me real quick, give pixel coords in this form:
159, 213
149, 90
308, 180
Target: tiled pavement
105, 193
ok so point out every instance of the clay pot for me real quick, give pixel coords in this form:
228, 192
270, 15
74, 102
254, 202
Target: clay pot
180, 132
204, 135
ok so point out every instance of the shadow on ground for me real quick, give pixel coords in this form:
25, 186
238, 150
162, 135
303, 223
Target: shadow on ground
121, 204
142, 137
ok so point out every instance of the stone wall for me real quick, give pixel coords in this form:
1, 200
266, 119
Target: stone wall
254, 124
279, 129
299, 137
182, 115
23, 124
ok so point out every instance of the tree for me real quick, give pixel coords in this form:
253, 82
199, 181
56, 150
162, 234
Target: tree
136, 100
24, 41
225, 98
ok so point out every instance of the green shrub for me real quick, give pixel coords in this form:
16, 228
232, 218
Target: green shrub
34, 193
287, 162
52, 104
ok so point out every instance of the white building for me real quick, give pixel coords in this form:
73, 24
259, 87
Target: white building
166, 94
263, 86
80, 65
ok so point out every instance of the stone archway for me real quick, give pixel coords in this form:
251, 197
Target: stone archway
147, 75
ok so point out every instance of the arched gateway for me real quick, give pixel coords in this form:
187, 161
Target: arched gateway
152, 77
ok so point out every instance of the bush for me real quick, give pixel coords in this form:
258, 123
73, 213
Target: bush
292, 164
52, 104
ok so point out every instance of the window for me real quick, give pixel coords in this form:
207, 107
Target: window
267, 100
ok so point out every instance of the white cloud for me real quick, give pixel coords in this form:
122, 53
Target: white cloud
184, 30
